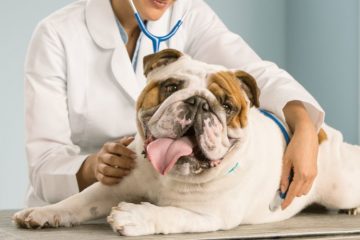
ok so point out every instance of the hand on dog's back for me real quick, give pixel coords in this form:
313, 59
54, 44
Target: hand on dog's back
108, 166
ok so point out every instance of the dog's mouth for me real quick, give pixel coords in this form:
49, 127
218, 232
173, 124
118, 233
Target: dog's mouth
184, 152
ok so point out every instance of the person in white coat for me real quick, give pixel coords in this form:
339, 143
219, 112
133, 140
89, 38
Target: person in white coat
83, 74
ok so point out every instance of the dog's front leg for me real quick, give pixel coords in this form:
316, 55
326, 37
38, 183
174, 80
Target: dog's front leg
94, 202
143, 219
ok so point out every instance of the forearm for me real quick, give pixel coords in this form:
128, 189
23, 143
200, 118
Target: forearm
86, 174
297, 118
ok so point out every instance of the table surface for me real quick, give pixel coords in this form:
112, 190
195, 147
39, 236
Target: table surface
308, 225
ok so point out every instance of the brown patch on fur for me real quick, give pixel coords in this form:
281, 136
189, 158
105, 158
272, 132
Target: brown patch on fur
249, 85
322, 136
149, 97
159, 59
225, 86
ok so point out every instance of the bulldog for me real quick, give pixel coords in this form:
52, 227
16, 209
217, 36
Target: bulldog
208, 160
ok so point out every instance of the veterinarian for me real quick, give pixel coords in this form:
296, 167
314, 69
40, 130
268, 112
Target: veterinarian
84, 72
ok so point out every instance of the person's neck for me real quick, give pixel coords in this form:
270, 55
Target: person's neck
125, 15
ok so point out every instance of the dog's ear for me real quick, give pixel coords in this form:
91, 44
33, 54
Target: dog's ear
248, 83
161, 58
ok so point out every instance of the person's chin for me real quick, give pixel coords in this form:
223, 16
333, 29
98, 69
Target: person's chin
155, 9
154, 18
161, 5
153, 15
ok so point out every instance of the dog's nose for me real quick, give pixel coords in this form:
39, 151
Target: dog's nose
205, 106
198, 101
191, 101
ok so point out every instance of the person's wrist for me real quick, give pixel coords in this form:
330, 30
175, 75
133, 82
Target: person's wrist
304, 125
86, 174
298, 118
90, 165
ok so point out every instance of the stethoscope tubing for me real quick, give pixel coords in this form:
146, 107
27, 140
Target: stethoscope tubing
156, 40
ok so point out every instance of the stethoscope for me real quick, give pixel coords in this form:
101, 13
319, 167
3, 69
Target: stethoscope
156, 40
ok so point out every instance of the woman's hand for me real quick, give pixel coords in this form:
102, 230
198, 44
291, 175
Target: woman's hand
113, 162
300, 155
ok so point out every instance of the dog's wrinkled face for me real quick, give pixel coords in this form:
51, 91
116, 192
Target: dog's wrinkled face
190, 113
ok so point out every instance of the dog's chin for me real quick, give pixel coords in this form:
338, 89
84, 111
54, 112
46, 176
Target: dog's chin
196, 163
190, 166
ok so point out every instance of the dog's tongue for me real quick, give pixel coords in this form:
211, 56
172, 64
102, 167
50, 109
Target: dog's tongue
164, 152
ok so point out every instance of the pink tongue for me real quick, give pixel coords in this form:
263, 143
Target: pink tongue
164, 152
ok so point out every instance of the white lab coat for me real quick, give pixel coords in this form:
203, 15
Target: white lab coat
81, 88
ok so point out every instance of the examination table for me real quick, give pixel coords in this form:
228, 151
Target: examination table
313, 223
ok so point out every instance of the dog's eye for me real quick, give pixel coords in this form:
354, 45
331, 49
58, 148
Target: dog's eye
171, 88
228, 108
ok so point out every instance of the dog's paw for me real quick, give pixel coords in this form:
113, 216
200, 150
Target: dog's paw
41, 217
130, 219
352, 211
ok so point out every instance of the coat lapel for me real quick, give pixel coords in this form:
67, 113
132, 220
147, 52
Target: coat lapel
124, 73
101, 22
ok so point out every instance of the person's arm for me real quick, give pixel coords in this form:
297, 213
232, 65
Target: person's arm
53, 158
300, 155
210, 41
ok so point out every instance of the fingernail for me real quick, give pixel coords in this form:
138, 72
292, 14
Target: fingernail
282, 188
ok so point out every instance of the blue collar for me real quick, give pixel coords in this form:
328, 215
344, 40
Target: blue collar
280, 125
278, 122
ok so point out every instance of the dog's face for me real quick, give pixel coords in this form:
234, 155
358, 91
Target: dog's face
190, 114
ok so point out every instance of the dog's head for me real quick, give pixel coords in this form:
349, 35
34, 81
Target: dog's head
190, 114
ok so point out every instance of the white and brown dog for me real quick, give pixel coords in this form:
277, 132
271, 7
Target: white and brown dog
215, 160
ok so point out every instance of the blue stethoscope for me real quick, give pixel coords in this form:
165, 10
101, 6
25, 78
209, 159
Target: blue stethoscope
156, 40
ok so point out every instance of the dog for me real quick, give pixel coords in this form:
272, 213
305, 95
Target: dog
208, 160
